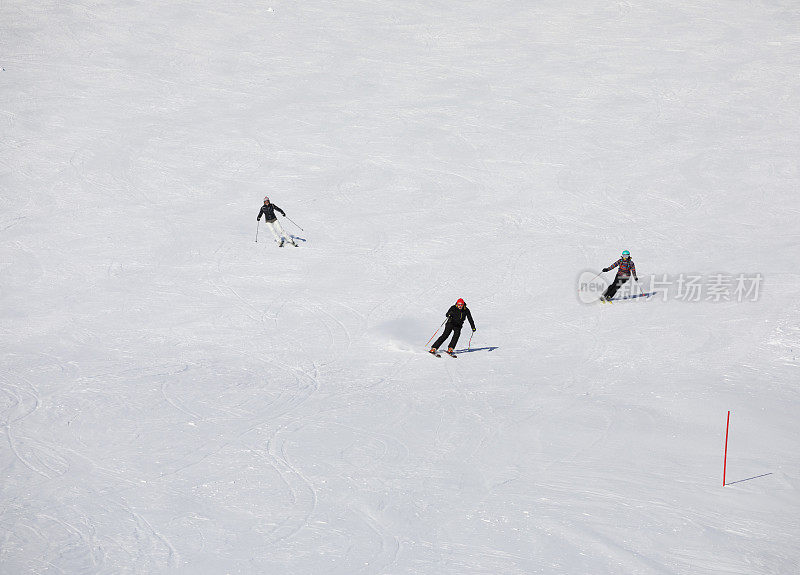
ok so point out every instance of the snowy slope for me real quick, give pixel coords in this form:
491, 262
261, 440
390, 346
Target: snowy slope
177, 397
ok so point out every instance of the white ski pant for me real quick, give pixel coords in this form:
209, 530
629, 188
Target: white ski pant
278, 231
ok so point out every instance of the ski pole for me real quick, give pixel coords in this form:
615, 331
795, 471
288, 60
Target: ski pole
469, 345
258, 225
437, 331
580, 287
594, 278
291, 220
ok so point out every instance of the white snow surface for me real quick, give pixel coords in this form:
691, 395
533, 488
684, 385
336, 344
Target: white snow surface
176, 397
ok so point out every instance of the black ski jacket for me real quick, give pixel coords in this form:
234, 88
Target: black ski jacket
456, 317
268, 212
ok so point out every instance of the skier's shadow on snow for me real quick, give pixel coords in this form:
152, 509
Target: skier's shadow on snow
492, 348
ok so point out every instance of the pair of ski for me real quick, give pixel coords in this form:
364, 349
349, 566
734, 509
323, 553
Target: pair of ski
634, 296
280, 245
437, 354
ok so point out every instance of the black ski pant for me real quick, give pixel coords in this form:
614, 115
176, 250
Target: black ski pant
456, 329
615, 285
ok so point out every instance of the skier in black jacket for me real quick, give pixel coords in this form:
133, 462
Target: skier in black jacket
455, 319
268, 211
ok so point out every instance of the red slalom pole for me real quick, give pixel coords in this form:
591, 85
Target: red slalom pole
725, 458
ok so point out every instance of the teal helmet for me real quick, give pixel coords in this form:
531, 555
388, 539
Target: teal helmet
626, 253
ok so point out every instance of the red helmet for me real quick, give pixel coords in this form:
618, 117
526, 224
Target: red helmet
266, 198
461, 301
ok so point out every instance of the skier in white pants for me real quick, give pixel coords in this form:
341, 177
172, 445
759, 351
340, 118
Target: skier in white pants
268, 211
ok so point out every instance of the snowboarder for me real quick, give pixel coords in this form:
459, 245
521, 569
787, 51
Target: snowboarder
268, 211
455, 319
624, 273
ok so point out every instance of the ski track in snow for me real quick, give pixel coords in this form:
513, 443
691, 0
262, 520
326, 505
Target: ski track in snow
386, 556
22, 400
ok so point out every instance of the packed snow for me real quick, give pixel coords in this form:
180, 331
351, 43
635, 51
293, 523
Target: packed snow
180, 395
